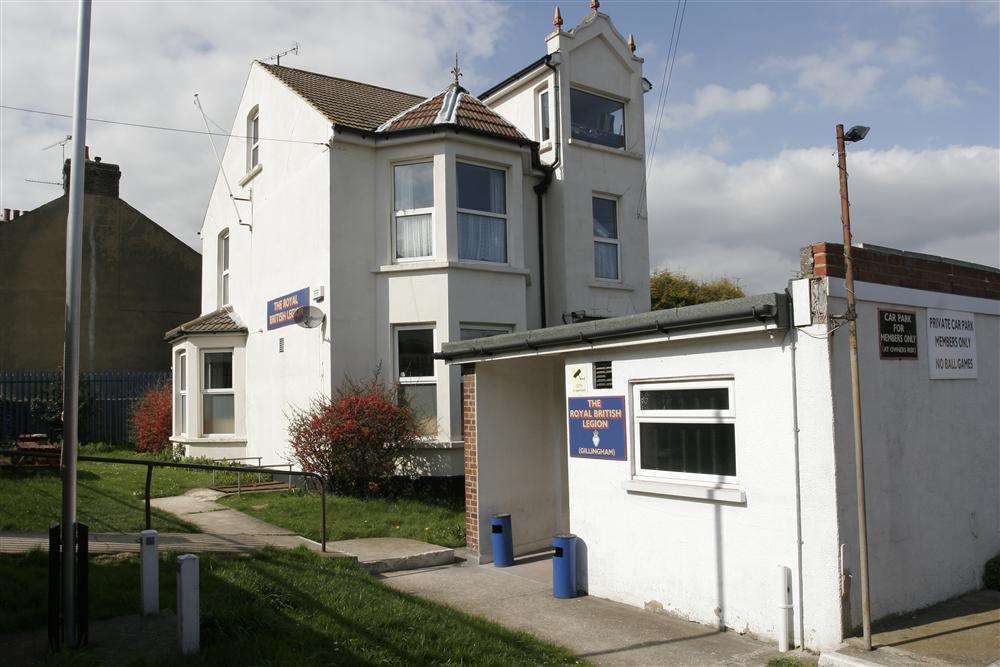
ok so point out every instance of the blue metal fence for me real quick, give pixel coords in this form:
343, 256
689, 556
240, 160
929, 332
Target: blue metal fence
30, 402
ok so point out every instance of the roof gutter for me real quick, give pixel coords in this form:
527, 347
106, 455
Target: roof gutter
770, 308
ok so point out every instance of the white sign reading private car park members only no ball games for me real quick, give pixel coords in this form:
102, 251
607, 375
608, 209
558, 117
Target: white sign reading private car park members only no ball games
951, 345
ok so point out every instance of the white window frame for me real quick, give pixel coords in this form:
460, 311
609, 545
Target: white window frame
412, 211
180, 392
253, 143
681, 417
610, 98
411, 380
224, 251
600, 239
500, 329
231, 391
486, 214
544, 114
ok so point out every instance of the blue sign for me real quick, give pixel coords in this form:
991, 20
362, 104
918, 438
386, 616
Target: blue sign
597, 427
281, 311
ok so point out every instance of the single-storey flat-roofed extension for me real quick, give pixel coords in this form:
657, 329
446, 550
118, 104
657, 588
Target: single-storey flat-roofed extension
703, 455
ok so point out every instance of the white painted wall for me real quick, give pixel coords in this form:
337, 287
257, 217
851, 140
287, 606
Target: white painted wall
932, 458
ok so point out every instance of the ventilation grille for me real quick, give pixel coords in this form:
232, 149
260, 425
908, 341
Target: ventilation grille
281, 344
602, 375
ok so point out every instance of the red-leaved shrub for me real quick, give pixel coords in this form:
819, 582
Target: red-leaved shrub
357, 438
151, 421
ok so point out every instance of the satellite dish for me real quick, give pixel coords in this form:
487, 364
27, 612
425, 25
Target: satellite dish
308, 317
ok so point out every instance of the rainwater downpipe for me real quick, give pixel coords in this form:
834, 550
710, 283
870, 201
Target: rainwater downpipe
798, 613
542, 187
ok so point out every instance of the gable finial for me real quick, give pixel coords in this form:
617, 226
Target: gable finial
455, 71
631, 43
557, 19
595, 5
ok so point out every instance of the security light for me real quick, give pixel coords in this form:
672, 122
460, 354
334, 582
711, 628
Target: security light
856, 133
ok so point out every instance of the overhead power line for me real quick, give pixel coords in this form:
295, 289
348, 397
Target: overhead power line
163, 128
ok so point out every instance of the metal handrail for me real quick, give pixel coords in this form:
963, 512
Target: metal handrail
150, 464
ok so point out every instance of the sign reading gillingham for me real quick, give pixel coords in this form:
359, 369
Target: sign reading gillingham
597, 427
281, 311
951, 345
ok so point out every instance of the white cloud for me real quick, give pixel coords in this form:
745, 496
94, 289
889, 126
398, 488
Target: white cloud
147, 60
719, 145
932, 90
841, 77
714, 99
749, 220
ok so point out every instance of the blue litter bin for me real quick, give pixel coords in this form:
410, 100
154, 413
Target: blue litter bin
564, 566
503, 541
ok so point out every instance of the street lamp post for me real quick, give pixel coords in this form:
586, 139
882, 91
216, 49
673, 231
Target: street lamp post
856, 133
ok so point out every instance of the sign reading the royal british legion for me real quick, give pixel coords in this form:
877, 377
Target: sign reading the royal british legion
597, 427
281, 311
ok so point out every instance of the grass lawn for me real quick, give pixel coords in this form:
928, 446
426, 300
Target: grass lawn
110, 495
349, 518
287, 607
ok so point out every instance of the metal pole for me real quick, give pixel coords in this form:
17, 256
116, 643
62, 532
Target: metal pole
859, 460
71, 349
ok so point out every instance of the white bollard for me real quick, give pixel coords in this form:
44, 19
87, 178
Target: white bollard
784, 608
188, 612
149, 569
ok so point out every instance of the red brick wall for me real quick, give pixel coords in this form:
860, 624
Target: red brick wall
471, 460
903, 269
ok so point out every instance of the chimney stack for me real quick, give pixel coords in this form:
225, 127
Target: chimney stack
101, 178
6, 215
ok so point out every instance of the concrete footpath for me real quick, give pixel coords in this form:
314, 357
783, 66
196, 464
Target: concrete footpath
599, 631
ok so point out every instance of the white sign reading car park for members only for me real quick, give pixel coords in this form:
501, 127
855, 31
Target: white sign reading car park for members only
951, 345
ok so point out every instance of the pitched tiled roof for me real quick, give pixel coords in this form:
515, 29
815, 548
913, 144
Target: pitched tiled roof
221, 321
353, 104
457, 108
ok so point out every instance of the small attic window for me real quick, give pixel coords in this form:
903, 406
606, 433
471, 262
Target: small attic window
253, 139
602, 375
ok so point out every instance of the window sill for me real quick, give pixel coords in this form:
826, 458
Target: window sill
612, 285
251, 175
437, 265
209, 440
724, 493
604, 149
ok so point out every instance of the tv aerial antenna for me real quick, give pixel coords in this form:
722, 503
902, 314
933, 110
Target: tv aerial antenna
62, 142
294, 50
308, 317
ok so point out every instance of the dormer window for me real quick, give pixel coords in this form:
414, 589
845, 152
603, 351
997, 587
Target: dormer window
482, 213
597, 119
253, 139
413, 210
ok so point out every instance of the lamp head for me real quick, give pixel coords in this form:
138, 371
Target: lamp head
856, 133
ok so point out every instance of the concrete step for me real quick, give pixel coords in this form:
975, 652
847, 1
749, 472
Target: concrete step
392, 554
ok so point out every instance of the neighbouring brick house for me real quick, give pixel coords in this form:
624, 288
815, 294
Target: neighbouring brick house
138, 280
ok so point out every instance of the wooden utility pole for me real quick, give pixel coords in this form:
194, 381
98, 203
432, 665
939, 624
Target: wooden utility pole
859, 460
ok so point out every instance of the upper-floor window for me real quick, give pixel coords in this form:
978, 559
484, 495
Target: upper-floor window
223, 249
543, 115
253, 139
482, 213
607, 247
597, 119
413, 210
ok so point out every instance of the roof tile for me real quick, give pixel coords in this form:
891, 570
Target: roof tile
219, 321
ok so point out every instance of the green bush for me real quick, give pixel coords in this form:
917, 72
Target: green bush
991, 574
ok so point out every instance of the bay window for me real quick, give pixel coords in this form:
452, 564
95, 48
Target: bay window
218, 397
413, 209
597, 119
415, 373
482, 213
607, 247
685, 430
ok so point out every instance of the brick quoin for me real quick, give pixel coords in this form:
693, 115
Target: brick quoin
887, 266
471, 458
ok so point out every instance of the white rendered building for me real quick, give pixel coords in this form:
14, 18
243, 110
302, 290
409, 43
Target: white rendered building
405, 222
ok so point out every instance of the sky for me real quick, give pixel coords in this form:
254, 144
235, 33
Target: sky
744, 170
